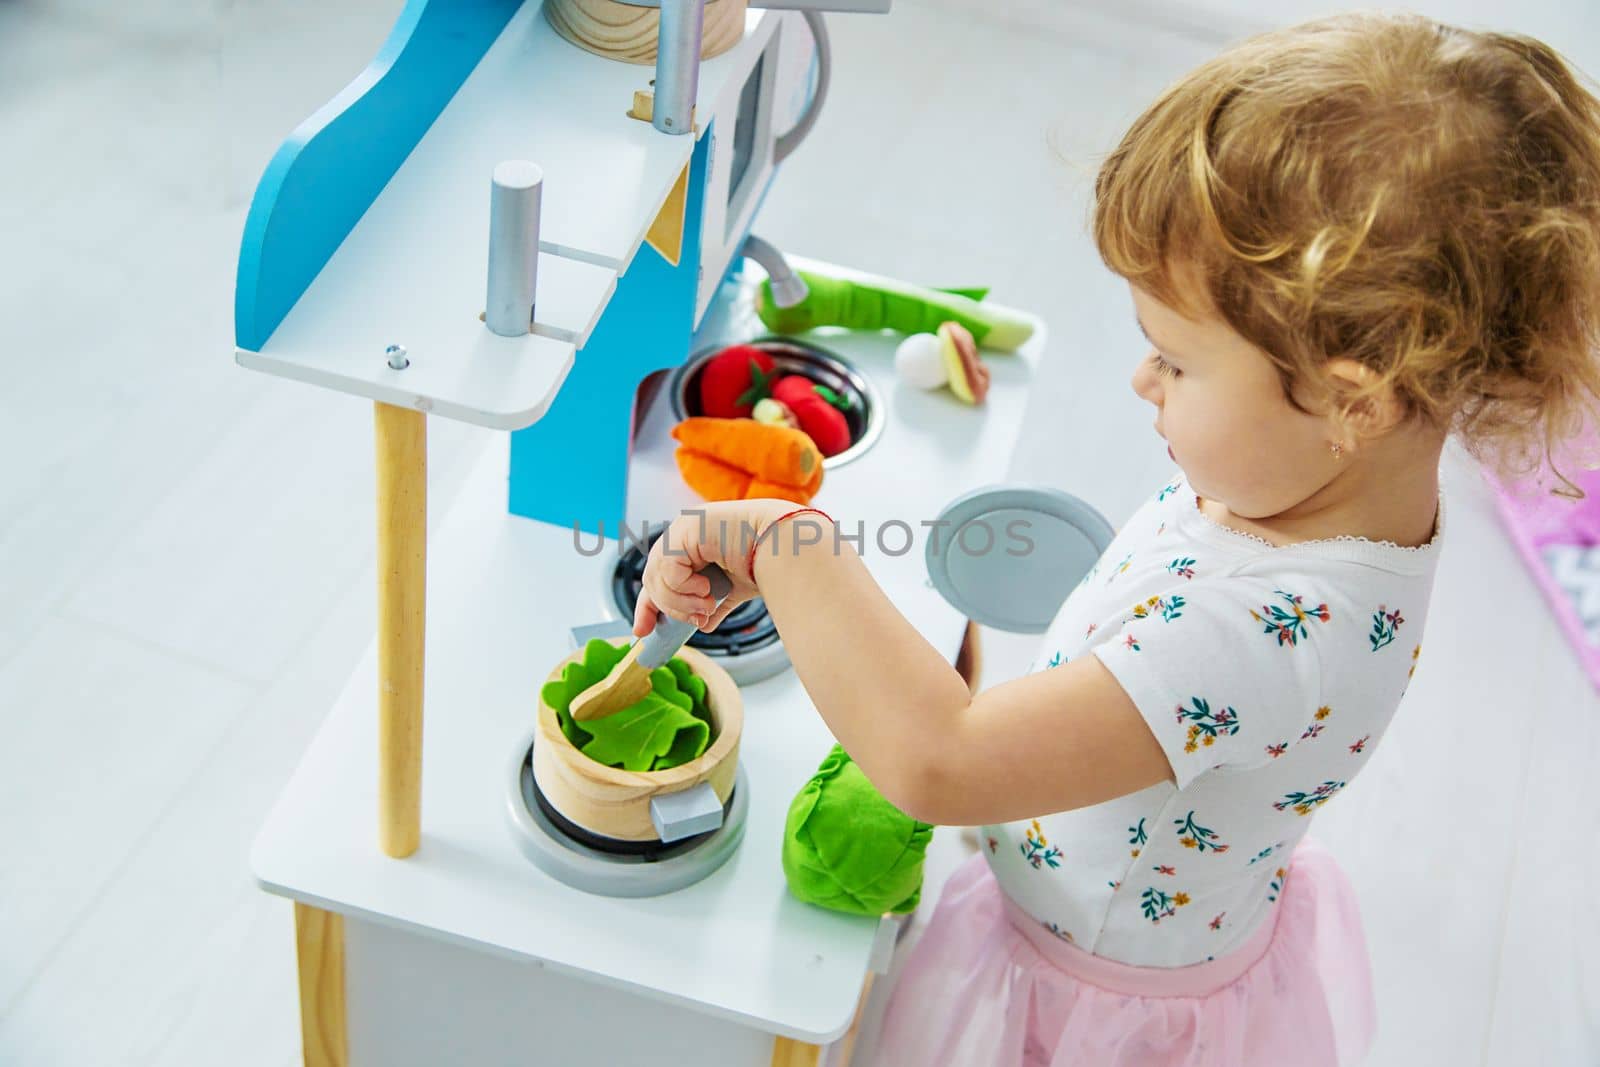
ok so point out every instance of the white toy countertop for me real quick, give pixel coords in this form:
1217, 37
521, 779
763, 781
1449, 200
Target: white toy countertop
413, 270
503, 594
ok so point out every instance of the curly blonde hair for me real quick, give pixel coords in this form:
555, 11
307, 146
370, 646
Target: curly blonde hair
1420, 198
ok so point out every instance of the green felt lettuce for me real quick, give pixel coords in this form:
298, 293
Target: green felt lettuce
694, 685
669, 727
847, 848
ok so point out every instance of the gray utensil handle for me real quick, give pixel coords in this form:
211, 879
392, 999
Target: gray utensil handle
658, 646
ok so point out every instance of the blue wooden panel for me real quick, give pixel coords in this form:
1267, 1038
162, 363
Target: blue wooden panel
330, 170
571, 467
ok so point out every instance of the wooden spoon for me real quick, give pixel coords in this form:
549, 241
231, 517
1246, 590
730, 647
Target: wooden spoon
629, 681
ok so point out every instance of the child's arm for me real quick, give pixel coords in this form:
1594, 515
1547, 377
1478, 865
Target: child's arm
1050, 741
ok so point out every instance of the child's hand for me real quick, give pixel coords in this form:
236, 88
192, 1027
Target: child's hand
720, 533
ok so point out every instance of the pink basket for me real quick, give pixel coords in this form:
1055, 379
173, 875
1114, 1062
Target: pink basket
1559, 539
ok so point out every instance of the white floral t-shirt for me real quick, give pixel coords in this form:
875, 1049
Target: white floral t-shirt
1267, 674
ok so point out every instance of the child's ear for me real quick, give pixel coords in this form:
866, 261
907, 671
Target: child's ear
1366, 410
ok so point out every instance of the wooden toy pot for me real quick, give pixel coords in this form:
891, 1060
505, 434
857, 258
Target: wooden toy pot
616, 803
629, 33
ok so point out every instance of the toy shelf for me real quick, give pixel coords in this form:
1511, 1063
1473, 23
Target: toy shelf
413, 269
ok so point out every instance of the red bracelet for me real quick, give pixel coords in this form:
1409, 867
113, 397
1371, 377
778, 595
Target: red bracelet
750, 560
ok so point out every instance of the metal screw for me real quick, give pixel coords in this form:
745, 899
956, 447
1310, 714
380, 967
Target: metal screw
397, 357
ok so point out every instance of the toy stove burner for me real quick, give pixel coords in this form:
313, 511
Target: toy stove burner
746, 645
604, 865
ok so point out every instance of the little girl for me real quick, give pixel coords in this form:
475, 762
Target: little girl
1344, 242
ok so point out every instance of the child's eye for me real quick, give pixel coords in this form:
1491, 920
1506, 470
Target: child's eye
1165, 369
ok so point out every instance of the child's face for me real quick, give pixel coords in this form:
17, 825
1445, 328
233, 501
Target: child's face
1220, 405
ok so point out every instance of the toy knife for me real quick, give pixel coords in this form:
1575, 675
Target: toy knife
629, 681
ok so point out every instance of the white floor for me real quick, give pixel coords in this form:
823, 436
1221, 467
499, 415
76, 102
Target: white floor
186, 548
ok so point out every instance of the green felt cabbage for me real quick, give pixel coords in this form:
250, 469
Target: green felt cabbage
668, 728
847, 848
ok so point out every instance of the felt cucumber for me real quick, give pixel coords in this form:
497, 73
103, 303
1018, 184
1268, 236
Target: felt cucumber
886, 304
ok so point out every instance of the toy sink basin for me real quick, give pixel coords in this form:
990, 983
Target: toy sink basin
864, 416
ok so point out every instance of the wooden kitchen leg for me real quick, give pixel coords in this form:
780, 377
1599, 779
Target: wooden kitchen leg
787, 1052
848, 1041
319, 944
401, 437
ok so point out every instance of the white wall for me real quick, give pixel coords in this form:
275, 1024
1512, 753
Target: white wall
1570, 26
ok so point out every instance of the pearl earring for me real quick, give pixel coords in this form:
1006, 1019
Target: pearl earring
1337, 448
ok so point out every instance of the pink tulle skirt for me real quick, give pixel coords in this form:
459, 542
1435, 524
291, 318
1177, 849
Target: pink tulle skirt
986, 986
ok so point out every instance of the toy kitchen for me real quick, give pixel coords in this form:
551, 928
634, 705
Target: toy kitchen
536, 216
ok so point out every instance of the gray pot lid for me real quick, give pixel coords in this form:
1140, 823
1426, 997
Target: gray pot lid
1007, 556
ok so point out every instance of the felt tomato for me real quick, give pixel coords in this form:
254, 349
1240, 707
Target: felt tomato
818, 410
733, 380
793, 387
824, 424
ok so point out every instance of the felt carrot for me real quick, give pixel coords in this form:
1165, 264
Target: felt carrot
800, 494
740, 459
883, 303
774, 453
712, 478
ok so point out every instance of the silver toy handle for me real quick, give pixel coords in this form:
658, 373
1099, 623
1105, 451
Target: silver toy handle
516, 190
658, 646
678, 65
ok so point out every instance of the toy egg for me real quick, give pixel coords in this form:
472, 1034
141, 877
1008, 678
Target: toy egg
949, 357
919, 361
